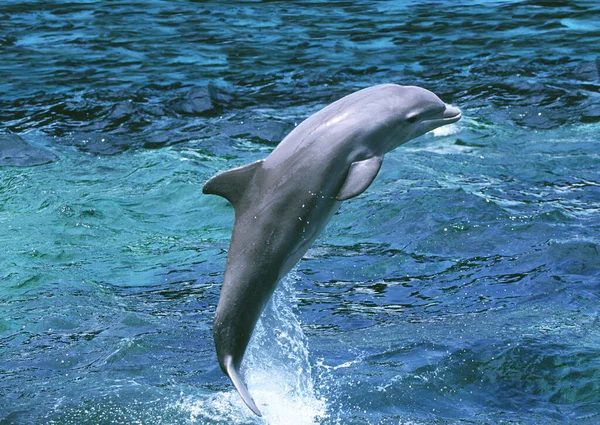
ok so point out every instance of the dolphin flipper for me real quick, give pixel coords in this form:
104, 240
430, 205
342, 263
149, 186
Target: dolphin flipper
360, 176
238, 382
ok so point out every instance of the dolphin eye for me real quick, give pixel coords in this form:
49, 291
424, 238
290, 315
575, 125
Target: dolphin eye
412, 118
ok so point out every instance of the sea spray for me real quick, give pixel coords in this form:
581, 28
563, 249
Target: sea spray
277, 370
277, 366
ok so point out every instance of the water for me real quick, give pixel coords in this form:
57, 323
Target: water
461, 288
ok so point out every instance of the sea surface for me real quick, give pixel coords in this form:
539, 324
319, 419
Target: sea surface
463, 287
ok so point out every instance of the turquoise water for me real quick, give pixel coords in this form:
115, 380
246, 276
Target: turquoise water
461, 288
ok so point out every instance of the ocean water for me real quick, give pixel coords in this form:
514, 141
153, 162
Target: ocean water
463, 287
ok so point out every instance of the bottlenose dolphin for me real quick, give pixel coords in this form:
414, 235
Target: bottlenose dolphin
284, 201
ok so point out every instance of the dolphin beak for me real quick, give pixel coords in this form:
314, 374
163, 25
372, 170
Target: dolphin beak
451, 114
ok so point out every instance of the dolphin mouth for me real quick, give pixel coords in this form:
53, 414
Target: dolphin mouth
451, 114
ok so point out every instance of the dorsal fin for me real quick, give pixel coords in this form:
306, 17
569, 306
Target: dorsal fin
360, 176
232, 184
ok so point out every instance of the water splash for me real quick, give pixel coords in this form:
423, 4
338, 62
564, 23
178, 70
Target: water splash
277, 370
277, 366
447, 130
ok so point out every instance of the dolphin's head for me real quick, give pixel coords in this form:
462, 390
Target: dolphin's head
415, 111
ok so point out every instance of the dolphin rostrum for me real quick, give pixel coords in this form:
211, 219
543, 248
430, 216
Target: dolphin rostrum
284, 201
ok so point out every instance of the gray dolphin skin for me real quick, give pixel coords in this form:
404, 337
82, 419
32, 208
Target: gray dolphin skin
284, 201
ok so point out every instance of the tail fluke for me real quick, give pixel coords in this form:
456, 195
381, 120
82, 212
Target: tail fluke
235, 377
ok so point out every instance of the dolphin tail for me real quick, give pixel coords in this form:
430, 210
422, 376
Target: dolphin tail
235, 377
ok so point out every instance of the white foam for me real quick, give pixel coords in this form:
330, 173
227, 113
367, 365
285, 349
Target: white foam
276, 369
220, 408
277, 366
446, 130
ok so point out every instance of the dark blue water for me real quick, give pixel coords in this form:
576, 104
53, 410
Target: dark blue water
462, 288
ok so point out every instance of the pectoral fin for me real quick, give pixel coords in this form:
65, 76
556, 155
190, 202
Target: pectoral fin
232, 184
360, 176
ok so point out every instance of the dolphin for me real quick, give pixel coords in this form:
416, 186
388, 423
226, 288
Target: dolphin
284, 201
